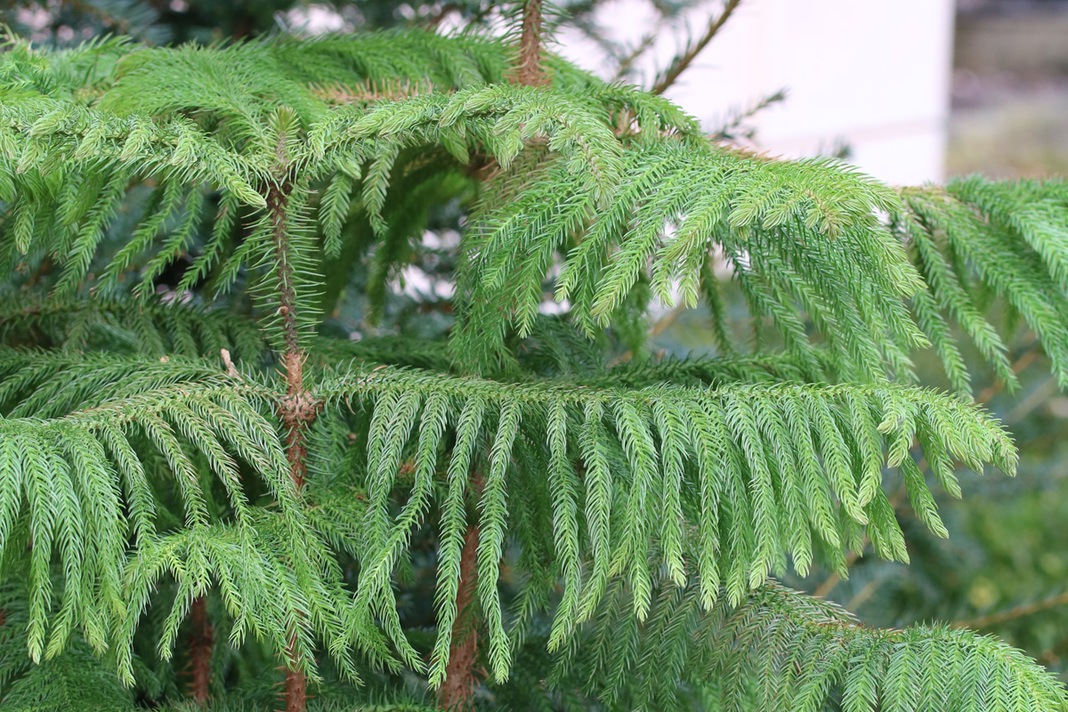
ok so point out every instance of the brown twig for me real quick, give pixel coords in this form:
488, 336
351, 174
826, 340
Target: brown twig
626, 62
683, 61
1021, 611
228, 362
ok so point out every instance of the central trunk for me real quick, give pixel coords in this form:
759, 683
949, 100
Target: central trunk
297, 411
202, 644
457, 692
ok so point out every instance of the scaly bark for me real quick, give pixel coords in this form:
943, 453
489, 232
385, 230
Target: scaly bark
298, 410
200, 651
530, 71
458, 690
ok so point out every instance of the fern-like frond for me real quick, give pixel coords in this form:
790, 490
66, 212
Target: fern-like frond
65, 171
276, 582
81, 485
76, 73
42, 384
76, 680
976, 240
787, 651
783, 650
729, 482
499, 119
797, 234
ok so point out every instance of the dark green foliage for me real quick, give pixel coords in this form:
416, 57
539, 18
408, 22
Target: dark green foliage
150, 328
188, 419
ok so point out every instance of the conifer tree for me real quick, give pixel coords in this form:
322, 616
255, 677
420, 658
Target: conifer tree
211, 497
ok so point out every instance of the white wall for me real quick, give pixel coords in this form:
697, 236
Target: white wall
872, 73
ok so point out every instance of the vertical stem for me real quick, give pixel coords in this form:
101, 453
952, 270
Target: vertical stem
296, 691
459, 687
298, 409
530, 70
457, 692
200, 649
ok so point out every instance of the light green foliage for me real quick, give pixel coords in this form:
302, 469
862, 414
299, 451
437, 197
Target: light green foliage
181, 227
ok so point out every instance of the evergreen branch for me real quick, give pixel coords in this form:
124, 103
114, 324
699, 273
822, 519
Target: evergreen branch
102, 155
77, 479
780, 649
977, 239
43, 384
31, 132
501, 118
796, 233
75, 680
151, 327
817, 647
593, 513
794, 462
897, 499
276, 583
70, 73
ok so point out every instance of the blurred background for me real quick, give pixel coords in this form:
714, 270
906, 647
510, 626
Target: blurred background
910, 91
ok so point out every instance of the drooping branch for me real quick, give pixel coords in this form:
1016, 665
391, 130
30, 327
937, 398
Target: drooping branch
985, 396
681, 63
